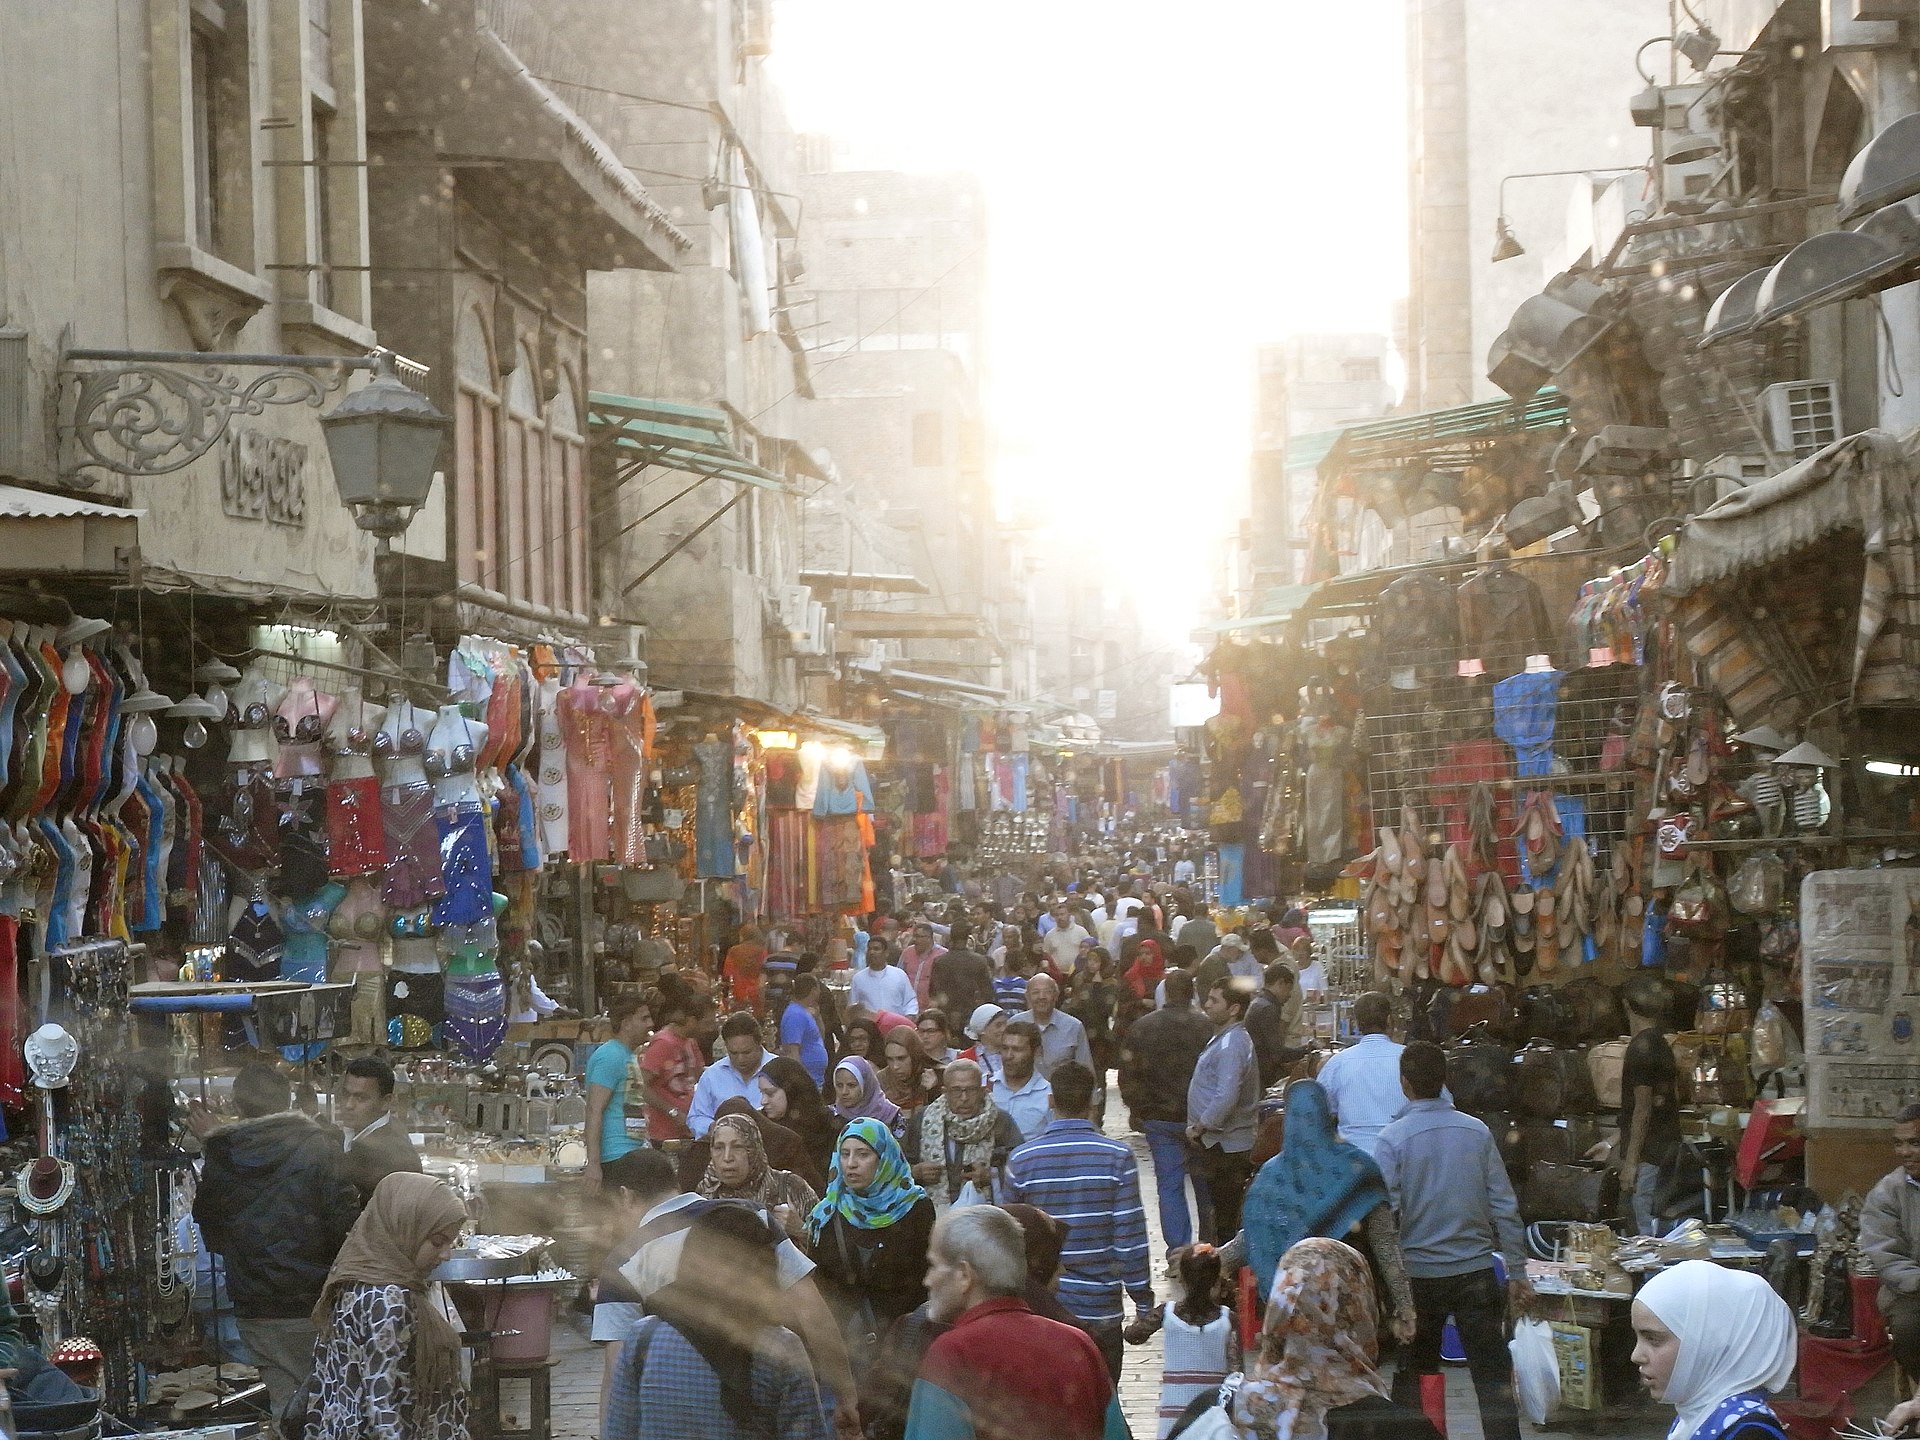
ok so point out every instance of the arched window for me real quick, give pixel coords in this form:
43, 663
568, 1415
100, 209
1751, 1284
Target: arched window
476, 428
522, 568
567, 520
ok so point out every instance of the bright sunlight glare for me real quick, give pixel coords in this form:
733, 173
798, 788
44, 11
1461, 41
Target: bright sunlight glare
1168, 187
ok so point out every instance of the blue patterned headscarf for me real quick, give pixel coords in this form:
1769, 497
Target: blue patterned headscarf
1318, 1185
891, 1195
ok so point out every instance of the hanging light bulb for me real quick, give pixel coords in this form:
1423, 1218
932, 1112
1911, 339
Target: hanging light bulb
146, 735
196, 710
217, 674
75, 673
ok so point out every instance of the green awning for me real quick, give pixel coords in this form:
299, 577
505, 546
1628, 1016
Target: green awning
1406, 437
690, 438
1277, 607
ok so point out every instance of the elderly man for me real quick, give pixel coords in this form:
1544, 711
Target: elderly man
1002, 1371
1890, 1237
1062, 1036
961, 1137
1020, 1089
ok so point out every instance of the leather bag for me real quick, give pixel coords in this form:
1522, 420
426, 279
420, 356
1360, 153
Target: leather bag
1480, 1073
1583, 1190
1545, 1014
1551, 1081
1597, 1011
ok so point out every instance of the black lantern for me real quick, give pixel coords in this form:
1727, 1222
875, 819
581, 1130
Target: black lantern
384, 441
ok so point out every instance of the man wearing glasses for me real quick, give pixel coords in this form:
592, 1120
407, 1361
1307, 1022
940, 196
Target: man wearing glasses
962, 1138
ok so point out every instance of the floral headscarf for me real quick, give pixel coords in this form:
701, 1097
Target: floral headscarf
766, 1187
872, 1104
891, 1195
1317, 1346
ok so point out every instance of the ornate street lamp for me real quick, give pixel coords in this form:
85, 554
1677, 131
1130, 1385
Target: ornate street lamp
384, 441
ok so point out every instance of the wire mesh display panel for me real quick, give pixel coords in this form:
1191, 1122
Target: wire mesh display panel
1429, 745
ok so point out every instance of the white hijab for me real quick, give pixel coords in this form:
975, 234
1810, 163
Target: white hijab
1735, 1335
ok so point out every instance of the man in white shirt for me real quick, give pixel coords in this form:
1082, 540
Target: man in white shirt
1363, 1080
1020, 1089
1063, 941
1183, 871
882, 986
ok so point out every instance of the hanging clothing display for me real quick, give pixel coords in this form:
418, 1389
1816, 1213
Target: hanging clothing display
713, 813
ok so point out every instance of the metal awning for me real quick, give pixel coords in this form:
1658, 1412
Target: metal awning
1277, 607
690, 438
1405, 437
887, 584
909, 625
63, 534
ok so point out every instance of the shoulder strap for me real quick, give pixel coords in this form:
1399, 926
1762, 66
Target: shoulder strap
642, 1342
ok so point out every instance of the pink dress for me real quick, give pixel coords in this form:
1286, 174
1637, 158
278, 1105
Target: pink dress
629, 715
589, 761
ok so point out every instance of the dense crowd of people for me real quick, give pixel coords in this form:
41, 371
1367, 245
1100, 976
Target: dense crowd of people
896, 1211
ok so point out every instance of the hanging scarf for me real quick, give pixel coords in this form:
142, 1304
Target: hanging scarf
973, 1136
1736, 1340
872, 1105
1317, 1185
1317, 1345
1149, 968
383, 1248
891, 1195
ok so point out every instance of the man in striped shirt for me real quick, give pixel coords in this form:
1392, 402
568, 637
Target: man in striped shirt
1091, 1183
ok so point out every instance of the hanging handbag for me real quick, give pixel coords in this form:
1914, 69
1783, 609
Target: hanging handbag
1606, 1065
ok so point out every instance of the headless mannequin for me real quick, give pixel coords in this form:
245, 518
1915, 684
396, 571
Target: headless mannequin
456, 743
250, 744
403, 716
353, 761
303, 703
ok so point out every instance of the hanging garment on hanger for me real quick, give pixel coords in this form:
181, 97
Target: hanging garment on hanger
553, 788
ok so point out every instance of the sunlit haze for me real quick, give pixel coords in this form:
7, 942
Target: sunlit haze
1168, 187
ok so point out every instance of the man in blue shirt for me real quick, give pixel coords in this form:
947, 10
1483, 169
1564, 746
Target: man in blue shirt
607, 1071
1019, 1088
746, 1058
800, 1028
1222, 1099
1456, 1209
1092, 1185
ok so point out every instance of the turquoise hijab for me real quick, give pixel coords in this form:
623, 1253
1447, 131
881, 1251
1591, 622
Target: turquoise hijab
891, 1195
1318, 1185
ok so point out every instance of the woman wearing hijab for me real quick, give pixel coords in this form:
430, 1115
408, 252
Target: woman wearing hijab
1314, 1378
1320, 1185
737, 1169
789, 1097
870, 1237
784, 1150
387, 1362
712, 1359
1149, 968
1713, 1344
857, 1096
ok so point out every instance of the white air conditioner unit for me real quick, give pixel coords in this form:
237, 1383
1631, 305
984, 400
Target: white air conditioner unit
1748, 468
1802, 416
790, 604
814, 639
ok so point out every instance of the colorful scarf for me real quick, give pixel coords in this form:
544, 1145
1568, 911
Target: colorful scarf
1317, 1345
891, 1195
973, 1137
872, 1104
1317, 1185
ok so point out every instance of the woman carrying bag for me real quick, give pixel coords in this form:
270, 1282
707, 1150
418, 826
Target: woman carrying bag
387, 1362
1714, 1343
869, 1237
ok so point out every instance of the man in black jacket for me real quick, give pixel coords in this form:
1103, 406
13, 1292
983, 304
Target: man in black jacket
274, 1203
962, 978
1156, 1065
1267, 1024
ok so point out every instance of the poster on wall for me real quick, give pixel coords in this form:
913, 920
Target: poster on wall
1860, 945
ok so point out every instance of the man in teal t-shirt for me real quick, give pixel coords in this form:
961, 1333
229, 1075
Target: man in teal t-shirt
607, 1071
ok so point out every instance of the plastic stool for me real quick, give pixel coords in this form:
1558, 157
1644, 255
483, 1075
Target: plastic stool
486, 1398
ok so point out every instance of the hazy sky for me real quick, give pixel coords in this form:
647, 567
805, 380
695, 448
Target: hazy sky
1168, 186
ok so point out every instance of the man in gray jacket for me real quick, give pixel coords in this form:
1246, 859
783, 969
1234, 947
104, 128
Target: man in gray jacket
1890, 1238
1222, 1099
